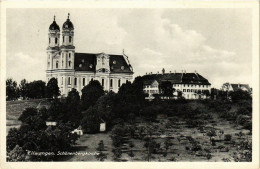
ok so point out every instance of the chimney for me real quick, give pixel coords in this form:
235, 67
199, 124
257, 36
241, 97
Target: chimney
163, 71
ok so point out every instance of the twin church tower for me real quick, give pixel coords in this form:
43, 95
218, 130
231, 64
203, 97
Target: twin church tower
76, 70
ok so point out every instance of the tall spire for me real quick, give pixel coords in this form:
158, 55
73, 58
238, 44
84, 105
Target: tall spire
54, 17
68, 15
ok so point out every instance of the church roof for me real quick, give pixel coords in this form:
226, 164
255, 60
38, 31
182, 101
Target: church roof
87, 62
54, 26
178, 78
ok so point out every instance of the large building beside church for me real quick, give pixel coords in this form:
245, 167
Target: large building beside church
191, 85
76, 70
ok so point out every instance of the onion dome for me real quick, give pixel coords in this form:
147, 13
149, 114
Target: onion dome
68, 24
54, 25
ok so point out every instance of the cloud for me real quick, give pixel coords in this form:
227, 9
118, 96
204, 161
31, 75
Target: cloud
20, 66
151, 39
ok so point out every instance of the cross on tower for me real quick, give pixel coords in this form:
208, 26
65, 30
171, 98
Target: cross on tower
68, 15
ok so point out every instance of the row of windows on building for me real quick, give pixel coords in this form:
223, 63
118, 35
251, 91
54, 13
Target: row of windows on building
84, 82
190, 85
151, 91
192, 90
57, 64
63, 39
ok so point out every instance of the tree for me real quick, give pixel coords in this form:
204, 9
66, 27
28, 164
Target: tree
167, 144
36, 89
91, 121
239, 95
72, 108
100, 150
23, 88
12, 91
211, 133
17, 154
166, 88
131, 146
105, 107
90, 94
52, 89
226, 87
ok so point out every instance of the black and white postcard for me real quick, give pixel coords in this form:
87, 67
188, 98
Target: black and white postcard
165, 84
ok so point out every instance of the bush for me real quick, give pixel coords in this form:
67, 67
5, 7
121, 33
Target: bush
227, 137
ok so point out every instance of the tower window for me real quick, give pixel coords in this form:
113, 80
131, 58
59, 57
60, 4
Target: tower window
119, 82
56, 40
75, 81
111, 82
69, 55
63, 39
48, 64
62, 63
69, 63
103, 82
83, 81
70, 39
57, 65
62, 80
49, 40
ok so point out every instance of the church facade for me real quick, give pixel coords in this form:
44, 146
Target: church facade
76, 70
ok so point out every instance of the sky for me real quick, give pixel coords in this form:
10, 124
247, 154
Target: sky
216, 43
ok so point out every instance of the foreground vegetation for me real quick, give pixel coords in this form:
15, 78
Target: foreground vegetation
137, 129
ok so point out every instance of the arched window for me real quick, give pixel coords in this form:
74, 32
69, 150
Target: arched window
103, 82
69, 63
75, 81
70, 38
57, 64
83, 81
69, 81
56, 40
111, 82
69, 55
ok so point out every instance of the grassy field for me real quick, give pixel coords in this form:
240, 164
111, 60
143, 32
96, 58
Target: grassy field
181, 135
14, 110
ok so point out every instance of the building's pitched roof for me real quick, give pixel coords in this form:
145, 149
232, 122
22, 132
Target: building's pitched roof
178, 78
239, 86
88, 62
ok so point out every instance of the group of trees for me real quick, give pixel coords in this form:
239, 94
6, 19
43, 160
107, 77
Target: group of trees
34, 136
34, 90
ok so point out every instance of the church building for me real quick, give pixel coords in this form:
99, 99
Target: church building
76, 70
